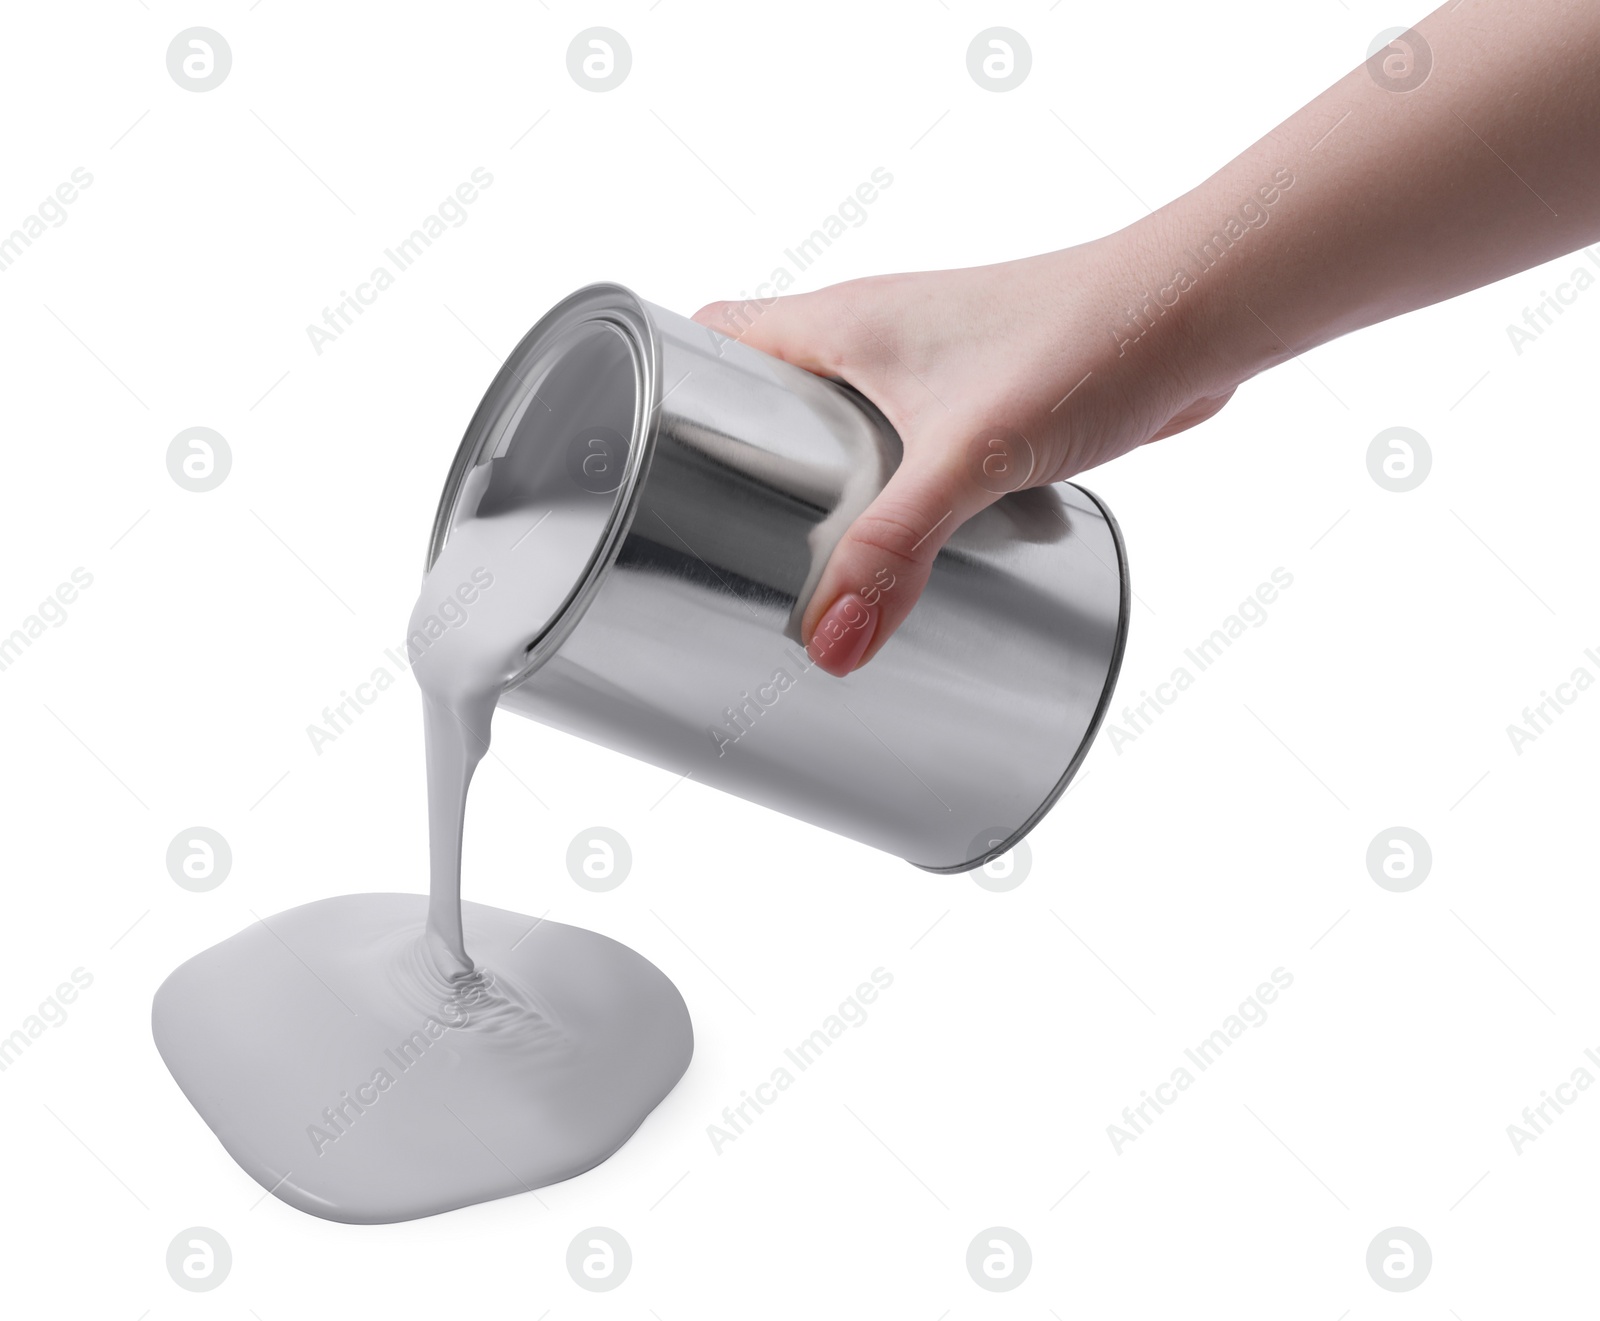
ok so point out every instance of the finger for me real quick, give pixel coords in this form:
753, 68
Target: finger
1192, 416
882, 563
802, 329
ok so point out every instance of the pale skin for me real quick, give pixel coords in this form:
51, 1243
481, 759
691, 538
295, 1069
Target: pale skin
1031, 371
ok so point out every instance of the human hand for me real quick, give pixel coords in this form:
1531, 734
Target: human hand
1028, 372
996, 378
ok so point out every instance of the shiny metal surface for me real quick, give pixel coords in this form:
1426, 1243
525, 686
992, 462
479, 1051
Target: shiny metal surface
693, 489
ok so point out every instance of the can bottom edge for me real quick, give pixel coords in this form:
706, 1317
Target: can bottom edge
1113, 672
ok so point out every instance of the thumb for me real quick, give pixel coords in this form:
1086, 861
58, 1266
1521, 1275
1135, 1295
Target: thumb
802, 328
881, 565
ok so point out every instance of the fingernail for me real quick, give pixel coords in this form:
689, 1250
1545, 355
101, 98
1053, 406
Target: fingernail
843, 635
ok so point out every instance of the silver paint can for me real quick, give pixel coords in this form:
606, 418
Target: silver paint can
693, 488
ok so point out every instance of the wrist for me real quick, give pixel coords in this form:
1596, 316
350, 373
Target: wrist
1197, 269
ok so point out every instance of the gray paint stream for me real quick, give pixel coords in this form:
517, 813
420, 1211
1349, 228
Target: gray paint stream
379, 1057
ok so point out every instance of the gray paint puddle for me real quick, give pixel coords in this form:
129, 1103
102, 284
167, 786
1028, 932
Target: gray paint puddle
379, 1057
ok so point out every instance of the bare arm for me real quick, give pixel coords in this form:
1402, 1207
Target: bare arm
1465, 152
1402, 198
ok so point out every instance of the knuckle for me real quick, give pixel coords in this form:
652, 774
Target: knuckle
899, 536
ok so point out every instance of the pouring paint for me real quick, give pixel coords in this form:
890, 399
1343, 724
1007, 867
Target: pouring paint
376, 1057
633, 523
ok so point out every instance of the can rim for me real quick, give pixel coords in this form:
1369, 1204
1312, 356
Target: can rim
1113, 671
624, 311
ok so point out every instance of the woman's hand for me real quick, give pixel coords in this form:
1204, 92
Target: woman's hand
996, 378
1388, 192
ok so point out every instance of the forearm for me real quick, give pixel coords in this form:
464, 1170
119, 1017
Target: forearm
1369, 202
1394, 199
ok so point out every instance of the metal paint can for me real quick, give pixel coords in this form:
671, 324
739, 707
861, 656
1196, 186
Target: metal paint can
693, 488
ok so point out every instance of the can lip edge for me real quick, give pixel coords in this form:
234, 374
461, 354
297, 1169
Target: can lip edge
1113, 673
629, 314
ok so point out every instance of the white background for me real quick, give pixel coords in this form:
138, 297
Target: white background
1228, 841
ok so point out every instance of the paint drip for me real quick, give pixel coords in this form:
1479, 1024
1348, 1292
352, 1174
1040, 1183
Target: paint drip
379, 1057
